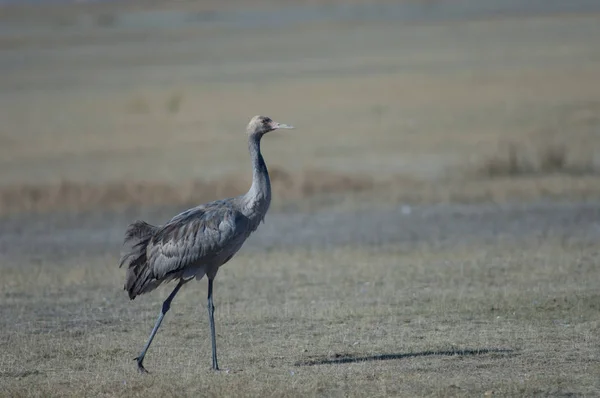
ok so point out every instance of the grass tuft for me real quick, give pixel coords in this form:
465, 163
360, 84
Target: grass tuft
514, 160
173, 104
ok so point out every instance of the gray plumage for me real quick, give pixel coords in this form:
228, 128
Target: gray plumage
199, 240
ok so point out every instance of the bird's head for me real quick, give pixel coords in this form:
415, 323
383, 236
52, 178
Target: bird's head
263, 124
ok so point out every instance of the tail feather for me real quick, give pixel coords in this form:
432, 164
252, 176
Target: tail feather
139, 277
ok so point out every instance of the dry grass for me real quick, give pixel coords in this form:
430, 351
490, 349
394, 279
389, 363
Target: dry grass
309, 190
420, 127
513, 160
385, 113
76, 197
512, 319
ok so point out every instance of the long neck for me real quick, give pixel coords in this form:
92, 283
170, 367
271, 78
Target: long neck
258, 198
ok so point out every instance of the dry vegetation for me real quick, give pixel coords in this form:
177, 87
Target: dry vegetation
478, 111
77, 197
447, 123
497, 180
469, 320
547, 160
558, 162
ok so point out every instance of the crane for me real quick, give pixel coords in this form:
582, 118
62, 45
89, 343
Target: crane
198, 241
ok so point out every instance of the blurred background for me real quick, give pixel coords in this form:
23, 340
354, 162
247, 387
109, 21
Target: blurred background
110, 104
434, 226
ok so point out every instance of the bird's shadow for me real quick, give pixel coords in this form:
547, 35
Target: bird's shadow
348, 358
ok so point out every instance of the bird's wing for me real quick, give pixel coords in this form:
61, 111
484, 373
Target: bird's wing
190, 237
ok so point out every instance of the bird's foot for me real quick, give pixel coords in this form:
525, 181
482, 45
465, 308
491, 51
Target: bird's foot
140, 365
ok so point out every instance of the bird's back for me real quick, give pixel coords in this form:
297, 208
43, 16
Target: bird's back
193, 243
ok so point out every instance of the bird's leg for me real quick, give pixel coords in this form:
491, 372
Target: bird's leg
165, 308
211, 318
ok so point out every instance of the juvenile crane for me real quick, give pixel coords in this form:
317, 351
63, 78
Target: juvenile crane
199, 240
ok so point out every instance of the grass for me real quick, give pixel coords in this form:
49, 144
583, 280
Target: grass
548, 159
423, 129
173, 103
156, 118
508, 318
307, 190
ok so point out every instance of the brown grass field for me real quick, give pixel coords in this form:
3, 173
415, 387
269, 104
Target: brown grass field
516, 319
434, 222
96, 117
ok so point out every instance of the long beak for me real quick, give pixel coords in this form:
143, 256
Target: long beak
276, 125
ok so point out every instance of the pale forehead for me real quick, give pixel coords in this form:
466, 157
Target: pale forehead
260, 118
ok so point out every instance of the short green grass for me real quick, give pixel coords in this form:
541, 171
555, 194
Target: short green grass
515, 319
